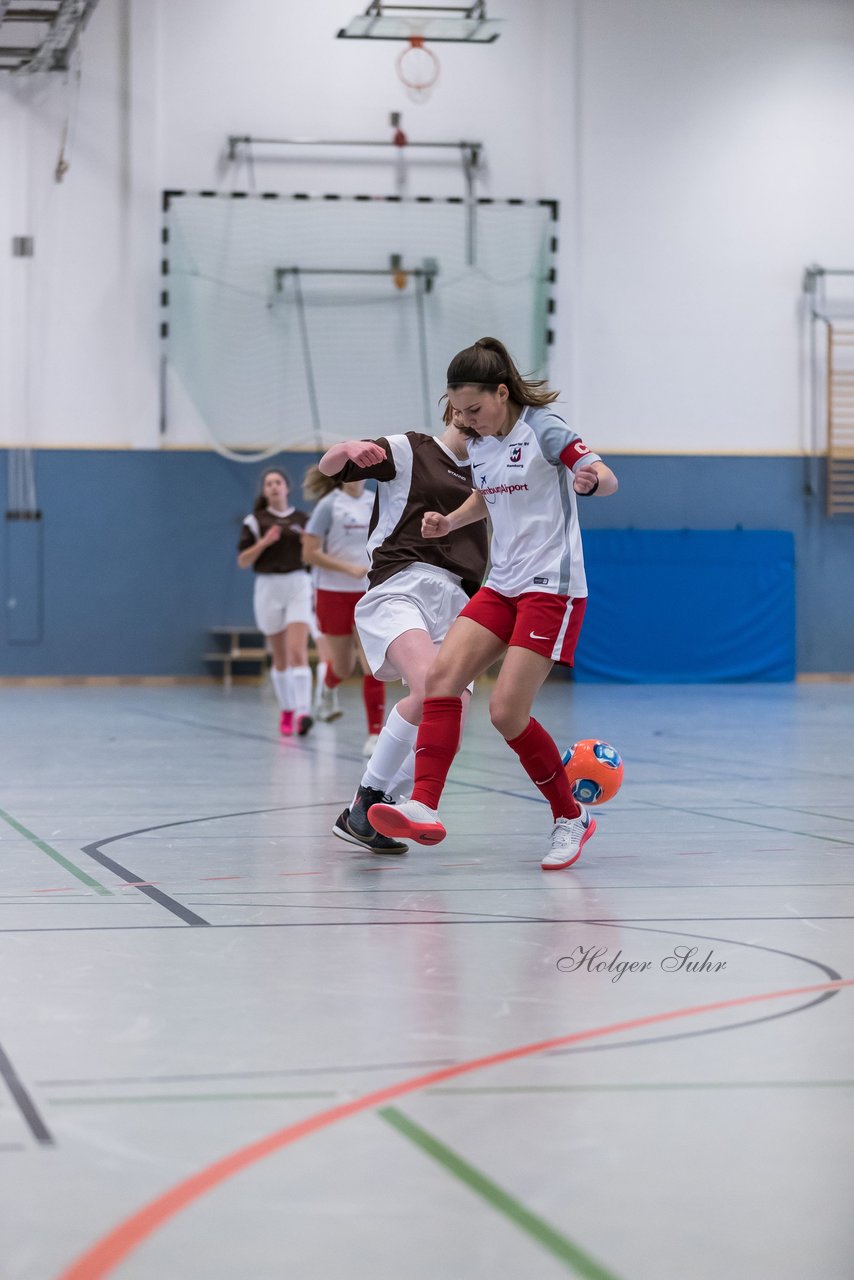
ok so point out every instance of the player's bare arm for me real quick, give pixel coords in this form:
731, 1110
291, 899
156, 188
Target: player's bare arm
435, 525
363, 452
248, 557
594, 477
314, 555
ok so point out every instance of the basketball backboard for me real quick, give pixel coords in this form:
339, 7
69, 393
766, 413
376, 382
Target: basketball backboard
464, 24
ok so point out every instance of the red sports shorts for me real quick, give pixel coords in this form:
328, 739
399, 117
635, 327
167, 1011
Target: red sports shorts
537, 620
335, 611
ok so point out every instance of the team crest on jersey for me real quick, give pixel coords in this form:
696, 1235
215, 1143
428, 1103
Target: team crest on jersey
514, 457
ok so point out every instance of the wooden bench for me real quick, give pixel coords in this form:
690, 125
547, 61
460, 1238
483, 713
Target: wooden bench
245, 645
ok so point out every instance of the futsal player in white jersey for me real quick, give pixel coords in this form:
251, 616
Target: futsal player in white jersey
528, 469
271, 545
417, 588
335, 544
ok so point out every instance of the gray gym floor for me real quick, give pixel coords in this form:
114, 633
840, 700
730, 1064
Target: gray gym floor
233, 1046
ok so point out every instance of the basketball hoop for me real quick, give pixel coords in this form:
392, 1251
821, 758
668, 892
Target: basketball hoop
417, 69
418, 66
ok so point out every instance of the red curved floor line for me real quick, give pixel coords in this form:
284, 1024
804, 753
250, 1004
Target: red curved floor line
118, 1243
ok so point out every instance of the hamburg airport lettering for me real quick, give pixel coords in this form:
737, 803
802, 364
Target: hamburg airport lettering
503, 488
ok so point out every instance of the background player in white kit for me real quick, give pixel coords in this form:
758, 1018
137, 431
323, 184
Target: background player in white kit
417, 589
271, 544
335, 544
528, 467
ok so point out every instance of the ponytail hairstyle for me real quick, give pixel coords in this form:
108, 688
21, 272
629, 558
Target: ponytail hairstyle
261, 501
487, 364
315, 485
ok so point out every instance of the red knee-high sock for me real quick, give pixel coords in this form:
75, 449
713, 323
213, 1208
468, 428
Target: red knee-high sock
541, 761
373, 694
437, 744
331, 680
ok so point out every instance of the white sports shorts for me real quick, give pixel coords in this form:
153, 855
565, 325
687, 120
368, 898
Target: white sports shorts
280, 599
420, 598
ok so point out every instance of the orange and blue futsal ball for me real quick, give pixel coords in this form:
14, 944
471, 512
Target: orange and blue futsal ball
595, 771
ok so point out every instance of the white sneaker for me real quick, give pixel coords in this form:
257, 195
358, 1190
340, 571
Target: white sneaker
326, 705
410, 820
567, 838
370, 744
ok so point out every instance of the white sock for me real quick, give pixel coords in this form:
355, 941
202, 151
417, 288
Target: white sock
301, 677
284, 692
396, 742
319, 682
401, 783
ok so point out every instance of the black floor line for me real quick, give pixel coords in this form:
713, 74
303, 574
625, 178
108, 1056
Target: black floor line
692, 1035
340, 755
826, 969
25, 1104
19, 897
521, 919
150, 891
376, 924
94, 851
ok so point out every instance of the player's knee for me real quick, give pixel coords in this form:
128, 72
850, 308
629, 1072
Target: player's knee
505, 717
439, 681
499, 713
433, 684
414, 708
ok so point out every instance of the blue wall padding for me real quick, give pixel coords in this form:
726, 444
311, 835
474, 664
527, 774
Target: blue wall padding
23, 581
139, 554
688, 606
137, 557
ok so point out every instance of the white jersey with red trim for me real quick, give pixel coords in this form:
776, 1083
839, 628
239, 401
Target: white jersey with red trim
536, 539
342, 521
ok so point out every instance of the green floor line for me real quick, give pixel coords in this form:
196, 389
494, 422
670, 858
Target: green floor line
557, 1088
52, 853
574, 1257
664, 1086
188, 1097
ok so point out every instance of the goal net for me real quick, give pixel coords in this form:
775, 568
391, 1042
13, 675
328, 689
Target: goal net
294, 322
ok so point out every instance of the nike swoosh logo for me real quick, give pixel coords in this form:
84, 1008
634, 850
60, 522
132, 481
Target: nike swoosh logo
545, 780
536, 637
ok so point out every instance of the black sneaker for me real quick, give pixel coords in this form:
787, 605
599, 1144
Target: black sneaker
304, 723
374, 841
358, 820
